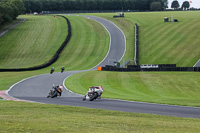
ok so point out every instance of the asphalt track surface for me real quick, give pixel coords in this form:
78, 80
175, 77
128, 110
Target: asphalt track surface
36, 88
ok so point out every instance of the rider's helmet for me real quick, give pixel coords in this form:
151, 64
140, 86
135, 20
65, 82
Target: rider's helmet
60, 87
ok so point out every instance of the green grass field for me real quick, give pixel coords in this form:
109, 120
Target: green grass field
88, 46
177, 88
6, 25
88, 37
159, 42
36, 40
33, 42
149, 87
34, 117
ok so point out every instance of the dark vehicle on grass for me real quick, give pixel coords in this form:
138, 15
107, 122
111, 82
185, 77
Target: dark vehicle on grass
55, 91
94, 92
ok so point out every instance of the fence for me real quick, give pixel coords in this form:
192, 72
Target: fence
137, 68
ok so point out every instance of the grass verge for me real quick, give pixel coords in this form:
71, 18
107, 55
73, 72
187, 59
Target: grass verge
5, 26
34, 117
176, 88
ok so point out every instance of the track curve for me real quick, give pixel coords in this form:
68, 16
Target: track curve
36, 88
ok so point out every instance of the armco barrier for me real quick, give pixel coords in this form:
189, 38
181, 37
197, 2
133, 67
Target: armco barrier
136, 58
52, 60
136, 68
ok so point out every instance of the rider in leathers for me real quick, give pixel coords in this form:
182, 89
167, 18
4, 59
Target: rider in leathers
99, 91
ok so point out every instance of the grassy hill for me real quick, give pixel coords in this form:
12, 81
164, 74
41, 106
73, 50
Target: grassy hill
88, 37
179, 88
33, 42
36, 40
159, 42
88, 45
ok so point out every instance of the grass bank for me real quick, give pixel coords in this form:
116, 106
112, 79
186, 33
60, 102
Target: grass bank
34, 117
159, 42
176, 88
32, 42
88, 37
88, 45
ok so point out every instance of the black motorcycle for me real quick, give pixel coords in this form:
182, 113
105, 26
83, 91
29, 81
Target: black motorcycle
52, 70
55, 91
62, 69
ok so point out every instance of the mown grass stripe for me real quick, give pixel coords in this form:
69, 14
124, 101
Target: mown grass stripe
167, 88
89, 44
165, 50
29, 48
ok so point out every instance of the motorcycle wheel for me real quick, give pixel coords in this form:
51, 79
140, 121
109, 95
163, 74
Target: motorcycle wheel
54, 94
84, 99
93, 97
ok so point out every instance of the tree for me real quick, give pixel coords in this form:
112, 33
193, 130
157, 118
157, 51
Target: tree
17, 6
1, 19
10, 9
156, 6
185, 5
6, 11
164, 3
175, 4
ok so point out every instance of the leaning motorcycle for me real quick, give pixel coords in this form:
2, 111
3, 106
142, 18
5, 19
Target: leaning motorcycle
54, 92
93, 94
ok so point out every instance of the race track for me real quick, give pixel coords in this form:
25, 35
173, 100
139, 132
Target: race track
36, 88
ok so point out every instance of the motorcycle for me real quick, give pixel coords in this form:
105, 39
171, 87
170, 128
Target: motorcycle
55, 91
52, 70
62, 69
93, 93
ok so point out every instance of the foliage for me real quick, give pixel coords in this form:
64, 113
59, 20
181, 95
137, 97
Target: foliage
10, 9
165, 3
175, 4
155, 6
63, 5
185, 5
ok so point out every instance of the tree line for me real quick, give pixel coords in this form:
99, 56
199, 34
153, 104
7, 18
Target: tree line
10, 9
65, 5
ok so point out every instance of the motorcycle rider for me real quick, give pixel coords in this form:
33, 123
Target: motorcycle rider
99, 91
62, 69
52, 70
57, 89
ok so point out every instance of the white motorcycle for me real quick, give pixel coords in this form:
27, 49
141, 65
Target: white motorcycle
93, 93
